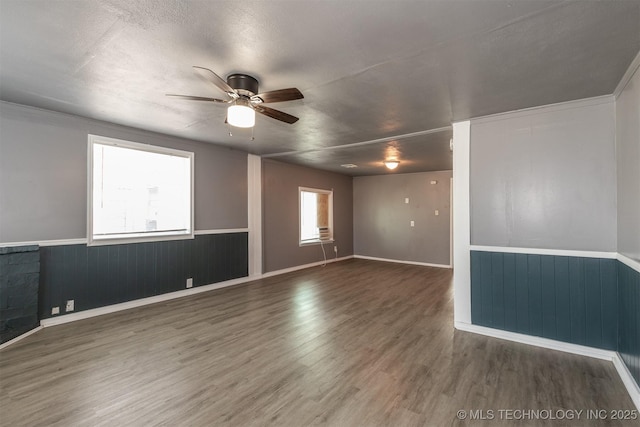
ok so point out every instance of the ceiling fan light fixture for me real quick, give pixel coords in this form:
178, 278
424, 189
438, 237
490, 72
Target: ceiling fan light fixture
241, 115
391, 164
241, 91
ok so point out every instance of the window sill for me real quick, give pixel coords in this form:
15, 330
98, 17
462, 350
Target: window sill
138, 239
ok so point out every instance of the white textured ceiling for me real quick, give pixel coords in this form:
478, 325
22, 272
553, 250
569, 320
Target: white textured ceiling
369, 70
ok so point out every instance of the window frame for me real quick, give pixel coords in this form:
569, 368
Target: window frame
330, 214
137, 237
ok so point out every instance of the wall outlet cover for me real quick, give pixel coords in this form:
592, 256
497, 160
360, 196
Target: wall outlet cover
70, 305
55, 310
190, 282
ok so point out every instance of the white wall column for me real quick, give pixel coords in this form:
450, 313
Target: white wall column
461, 224
254, 207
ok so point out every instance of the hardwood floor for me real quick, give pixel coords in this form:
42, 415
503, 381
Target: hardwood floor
356, 343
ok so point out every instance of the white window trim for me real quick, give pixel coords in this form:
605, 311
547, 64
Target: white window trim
136, 238
315, 241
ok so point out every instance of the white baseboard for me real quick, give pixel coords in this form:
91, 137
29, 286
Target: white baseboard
613, 356
19, 337
302, 267
66, 318
424, 264
629, 382
537, 341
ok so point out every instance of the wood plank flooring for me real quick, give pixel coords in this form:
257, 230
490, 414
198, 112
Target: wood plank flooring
356, 343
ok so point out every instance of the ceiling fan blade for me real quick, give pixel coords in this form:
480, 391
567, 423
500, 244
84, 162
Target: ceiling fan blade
211, 77
198, 98
278, 95
276, 114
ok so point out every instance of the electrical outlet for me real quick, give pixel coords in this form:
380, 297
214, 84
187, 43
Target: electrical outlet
406, 200
413, 223
437, 212
55, 310
190, 282
70, 306
335, 249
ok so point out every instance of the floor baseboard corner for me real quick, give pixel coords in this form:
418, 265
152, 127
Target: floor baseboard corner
20, 337
629, 382
613, 356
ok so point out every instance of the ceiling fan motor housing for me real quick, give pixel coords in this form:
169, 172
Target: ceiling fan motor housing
244, 84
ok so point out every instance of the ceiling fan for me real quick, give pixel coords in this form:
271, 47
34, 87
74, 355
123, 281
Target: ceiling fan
243, 98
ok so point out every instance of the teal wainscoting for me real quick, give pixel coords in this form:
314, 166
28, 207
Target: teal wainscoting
569, 299
97, 276
629, 318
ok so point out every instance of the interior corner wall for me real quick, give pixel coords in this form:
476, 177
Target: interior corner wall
628, 168
628, 190
543, 186
280, 181
43, 175
382, 218
545, 178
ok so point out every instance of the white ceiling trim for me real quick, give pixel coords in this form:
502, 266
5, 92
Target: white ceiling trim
547, 108
635, 64
359, 144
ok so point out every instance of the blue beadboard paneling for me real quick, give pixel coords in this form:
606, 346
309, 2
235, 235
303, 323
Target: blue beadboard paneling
522, 294
534, 280
609, 303
629, 318
548, 292
562, 298
577, 304
510, 297
98, 276
487, 296
497, 290
593, 297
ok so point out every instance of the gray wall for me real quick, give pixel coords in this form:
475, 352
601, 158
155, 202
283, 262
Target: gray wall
43, 175
280, 182
382, 218
545, 178
628, 152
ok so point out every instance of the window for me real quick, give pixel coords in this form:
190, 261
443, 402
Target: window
316, 215
138, 192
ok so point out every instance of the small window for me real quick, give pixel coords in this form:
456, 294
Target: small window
138, 192
316, 215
